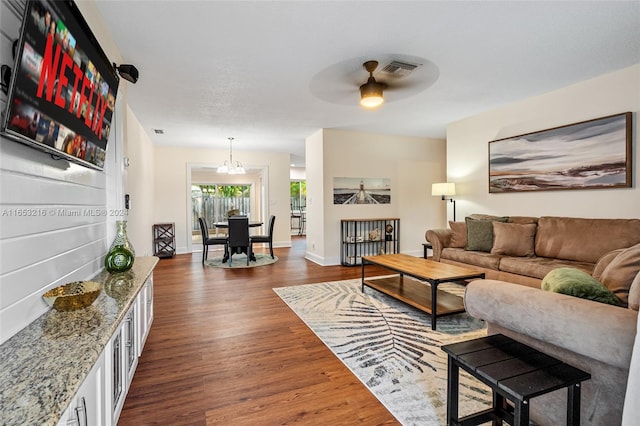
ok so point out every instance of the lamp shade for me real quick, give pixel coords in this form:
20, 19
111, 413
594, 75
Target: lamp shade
444, 188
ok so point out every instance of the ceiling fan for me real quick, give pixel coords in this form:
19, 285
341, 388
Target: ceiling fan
391, 77
371, 92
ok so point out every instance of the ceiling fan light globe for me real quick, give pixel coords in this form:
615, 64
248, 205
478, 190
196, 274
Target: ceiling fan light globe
371, 94
371, 101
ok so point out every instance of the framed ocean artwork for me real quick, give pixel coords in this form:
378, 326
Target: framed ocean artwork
349, 190
587, 155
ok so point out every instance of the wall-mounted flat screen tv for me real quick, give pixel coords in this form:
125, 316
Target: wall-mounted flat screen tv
63, 87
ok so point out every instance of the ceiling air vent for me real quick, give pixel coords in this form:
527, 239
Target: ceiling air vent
158, 131
398, 69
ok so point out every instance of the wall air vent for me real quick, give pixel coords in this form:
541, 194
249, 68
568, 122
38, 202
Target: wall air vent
398, 69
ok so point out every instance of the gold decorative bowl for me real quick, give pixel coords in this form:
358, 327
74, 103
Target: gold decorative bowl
72, 296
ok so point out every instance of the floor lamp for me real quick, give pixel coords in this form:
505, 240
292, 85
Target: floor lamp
445, 189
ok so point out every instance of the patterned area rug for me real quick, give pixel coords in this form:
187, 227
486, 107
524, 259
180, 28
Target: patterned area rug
390, 346
240, 261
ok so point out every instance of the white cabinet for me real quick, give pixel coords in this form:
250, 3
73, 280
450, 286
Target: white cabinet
87, 407
130, 353
114, 389
145, 312
101, 397
123, 350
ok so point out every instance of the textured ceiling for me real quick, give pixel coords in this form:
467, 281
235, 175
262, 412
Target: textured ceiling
263, 72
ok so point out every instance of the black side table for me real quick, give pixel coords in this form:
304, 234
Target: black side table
513, 371
426, 246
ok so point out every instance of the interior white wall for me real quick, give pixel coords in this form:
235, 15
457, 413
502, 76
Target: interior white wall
138, 183
297, 173
171, 177
412, 164
314, 169
467, 147
63, 243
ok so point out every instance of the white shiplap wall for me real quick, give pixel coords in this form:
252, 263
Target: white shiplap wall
47, 235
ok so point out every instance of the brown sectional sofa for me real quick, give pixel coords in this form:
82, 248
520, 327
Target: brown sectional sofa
558, 242
596, 337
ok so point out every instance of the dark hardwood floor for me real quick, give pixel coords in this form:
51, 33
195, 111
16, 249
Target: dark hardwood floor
225, 349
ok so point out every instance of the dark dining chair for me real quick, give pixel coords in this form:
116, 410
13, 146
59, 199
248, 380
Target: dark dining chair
303, 221
206, 241
239, 240
266, 238
296, 215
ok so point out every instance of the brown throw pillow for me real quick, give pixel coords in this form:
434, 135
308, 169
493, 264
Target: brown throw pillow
621, 272
603, 262
458, 234
514, 239
480, 234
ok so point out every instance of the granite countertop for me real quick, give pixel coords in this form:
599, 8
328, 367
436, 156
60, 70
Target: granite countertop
43, 365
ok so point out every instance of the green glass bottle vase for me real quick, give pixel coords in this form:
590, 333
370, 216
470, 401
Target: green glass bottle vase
121, 254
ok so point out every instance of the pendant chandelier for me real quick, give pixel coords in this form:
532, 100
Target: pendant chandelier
230, 167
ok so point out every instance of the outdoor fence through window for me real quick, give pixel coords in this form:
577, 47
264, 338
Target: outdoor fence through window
213, 202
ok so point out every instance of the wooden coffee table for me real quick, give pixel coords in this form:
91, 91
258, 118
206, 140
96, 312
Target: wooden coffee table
407, 288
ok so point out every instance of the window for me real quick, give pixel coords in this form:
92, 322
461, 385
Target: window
298, 195
214, 201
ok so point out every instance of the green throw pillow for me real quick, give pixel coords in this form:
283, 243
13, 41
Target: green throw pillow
480, 233
574, 282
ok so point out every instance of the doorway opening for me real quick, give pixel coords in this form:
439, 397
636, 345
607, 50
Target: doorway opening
213, 196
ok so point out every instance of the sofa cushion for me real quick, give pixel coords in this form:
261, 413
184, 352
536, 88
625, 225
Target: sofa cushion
476, 258
584, 240
603, 262
634, 294
480, 233
513, 239
481, 216
538, 267
621, 272
523, 219
574, 282
458, 234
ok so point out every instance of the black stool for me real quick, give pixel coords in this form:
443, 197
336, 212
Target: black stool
513, 371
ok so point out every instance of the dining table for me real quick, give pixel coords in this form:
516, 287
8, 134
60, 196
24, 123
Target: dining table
225, 225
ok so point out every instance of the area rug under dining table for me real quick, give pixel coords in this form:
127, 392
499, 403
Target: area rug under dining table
240, 261
390, 347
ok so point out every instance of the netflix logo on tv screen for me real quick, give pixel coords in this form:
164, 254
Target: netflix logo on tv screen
64, 88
